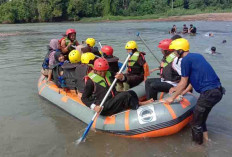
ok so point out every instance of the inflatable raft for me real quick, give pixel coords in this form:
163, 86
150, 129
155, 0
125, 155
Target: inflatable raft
152, 120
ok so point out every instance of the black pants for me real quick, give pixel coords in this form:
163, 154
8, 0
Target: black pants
122, 101
133, 79
205, 103
154, 85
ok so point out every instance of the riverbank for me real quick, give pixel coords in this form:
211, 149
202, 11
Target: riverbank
196, 17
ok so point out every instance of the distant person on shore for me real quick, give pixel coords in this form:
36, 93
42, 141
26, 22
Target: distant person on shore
185, 29
173, 30
192, 30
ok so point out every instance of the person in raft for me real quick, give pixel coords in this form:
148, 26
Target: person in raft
169, 75
112, 60
97, 85
69, 42
90, 47
137, 70
196, 70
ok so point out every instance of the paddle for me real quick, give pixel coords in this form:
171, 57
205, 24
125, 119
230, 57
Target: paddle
138, 35
82, 138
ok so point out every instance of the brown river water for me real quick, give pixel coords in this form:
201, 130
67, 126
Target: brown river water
31, 126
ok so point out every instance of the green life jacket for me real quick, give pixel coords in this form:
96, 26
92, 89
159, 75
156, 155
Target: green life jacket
100, 80
133, 59
67, 41
169, 59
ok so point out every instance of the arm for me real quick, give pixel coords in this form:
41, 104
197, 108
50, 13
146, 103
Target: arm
87, 97
189, 88
63, 46
179, 89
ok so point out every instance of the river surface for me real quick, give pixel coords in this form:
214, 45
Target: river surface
31, 126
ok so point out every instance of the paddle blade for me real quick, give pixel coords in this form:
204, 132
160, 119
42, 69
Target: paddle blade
82, 138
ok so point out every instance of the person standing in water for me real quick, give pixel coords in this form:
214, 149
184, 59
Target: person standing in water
173, 30
185, 29
196, 70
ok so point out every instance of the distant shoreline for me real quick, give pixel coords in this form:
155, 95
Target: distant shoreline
196, 17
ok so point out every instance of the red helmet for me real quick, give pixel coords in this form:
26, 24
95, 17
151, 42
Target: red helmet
164, 44
108, 50
70, 31
101, 64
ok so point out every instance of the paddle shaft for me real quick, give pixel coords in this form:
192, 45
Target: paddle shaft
104, 99
138, 34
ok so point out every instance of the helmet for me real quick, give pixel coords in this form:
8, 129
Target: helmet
101, 64
108, 50
164, 44
86, 57
131, 45
90, 42
70, 31
74, 56
180, 44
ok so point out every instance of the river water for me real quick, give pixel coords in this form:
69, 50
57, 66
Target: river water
32, 126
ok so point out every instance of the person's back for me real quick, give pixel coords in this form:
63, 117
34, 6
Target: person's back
201, 74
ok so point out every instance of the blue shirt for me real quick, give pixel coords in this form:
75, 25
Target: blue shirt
200, 72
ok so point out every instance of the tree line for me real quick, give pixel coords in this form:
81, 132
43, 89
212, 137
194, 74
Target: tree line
20, 11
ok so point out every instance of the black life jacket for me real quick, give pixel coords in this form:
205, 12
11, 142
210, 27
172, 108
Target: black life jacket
101, 86
45, 64
74, 75
57, 68
169, 74
113, 63
133, 65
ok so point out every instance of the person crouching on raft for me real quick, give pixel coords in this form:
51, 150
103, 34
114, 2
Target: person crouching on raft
97, 85
69, 42
170, 75
138, 69
196, 70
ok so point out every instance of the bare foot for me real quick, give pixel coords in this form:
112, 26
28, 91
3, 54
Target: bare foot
141, 103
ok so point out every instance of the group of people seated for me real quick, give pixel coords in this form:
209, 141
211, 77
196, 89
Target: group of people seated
192, 30
88, 71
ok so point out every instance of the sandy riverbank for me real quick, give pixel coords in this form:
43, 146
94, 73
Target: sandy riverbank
197, 17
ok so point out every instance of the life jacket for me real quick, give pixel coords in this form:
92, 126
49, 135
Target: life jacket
101, 86
168, 73
133, 66
113, 63
59, 81
67, 41
45, 64
74, 75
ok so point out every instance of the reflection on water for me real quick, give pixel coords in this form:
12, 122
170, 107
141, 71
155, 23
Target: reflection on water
32, 126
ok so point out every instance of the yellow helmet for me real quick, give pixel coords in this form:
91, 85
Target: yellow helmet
90, 42
74, 56
180, 44
131, 45
86, 57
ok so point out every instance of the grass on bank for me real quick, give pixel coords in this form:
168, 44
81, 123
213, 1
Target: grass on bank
174, 12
